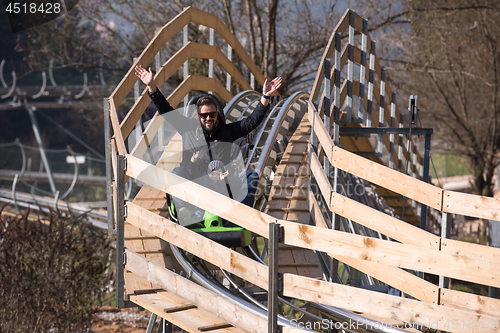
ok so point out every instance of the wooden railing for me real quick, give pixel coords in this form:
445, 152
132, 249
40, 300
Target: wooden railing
368, 253
366, 88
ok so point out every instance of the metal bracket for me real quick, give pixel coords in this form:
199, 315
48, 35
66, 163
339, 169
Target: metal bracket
281, 234
124, 258
280, 283
125, 210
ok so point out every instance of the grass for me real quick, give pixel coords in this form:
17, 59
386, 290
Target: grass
449, 164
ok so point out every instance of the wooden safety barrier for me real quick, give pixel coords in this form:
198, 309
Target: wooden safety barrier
354, 299
430, 195
423, 259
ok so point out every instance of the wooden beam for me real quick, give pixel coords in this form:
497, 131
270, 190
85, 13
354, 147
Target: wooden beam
212, 21
478, 251
166, 33
471, 205
388, 178
391, 253
206, 199
198, 245
370, 217
470, 302
330, 241
397, 309
395, 277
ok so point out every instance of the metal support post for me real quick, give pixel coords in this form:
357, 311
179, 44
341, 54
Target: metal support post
391, 136
164, 326
120, 243
151, 323
350, 67
274, 280
336, 92
444, 282
185, 40
211, 61
34, 124
400, 145
425, 178
161, 131
327, 107
381, 110
109, 171
362, 71
371, 75
228, 76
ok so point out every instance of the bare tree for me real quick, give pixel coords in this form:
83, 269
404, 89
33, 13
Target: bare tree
457, 77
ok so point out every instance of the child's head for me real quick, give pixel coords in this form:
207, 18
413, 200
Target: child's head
215, 170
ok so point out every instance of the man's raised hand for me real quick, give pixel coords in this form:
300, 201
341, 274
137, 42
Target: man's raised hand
146, 77
270, 87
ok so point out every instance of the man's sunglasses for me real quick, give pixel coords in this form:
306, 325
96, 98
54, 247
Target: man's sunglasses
205, 115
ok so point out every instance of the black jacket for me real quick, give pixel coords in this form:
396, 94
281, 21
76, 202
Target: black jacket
214, 145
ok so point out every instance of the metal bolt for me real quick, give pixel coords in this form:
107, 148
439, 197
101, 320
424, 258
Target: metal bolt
442, 303
447, 205
432, 301
443, 294
444, 244
447, 195
433, 291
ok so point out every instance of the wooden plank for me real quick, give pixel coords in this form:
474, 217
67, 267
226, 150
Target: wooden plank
206, 199
212, 21
195, 294
371, 217
384, 176
204, 83
395, 277
187, 320
471, 205
470, 302
391, 253
179, 308
320, 130
198, 245
470, 250
167, 32
327, 54
397, 309
117, 134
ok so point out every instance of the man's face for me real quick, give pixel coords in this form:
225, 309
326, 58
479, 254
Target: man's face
208, 117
